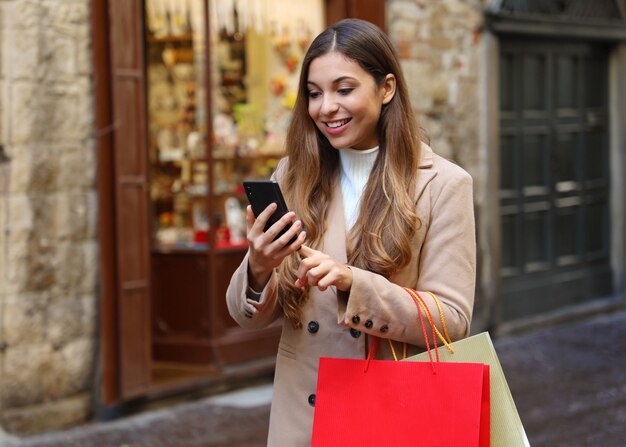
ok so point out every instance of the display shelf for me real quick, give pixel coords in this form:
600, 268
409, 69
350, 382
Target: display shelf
214, 121
190, 248
182, 38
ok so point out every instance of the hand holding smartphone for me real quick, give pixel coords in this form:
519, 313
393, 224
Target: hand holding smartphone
261, 193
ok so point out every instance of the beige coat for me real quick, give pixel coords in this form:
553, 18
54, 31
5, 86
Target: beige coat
444, 254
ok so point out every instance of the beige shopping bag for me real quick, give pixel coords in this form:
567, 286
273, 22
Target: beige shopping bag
506, 426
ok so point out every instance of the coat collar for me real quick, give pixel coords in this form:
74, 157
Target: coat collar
427, 170
426, 158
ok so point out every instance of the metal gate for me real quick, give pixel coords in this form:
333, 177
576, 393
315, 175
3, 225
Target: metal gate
554, 175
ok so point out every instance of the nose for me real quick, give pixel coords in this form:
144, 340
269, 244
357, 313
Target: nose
329, 105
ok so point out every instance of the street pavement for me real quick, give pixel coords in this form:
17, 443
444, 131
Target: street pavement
568, 381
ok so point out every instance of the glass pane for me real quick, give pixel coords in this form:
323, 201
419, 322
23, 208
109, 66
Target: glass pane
596, 226
256, 59
177, 123
595, 156
566, 81
566, 157
535, 239
507, 82
534, 72
507, 163
595, 81
509, 243
566, 231
535, 160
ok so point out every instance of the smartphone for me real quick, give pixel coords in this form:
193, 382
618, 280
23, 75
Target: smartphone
261, 193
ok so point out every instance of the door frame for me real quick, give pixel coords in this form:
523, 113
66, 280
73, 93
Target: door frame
108, 387
487, 315
107, 361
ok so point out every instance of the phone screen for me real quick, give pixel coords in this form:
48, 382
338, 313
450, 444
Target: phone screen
261, 193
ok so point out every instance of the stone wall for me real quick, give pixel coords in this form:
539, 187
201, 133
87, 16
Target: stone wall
439, 44
443, 47
48, 240
48, 209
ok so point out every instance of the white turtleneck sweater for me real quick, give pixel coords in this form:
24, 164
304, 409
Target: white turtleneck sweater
356, 167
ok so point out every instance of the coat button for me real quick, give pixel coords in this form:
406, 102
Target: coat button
356, 319
312, 400
355, 333
313, 327
369, 324
384, 328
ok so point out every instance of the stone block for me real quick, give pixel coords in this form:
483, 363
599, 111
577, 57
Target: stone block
23, 54
44, 113
55, 415
35, 169
24, 319
84, 54
71, 368
18, 172
24, 368
4, 120
66, 13
403, 9
69, 108
28, 110
71, 217
91, 203
76, 267
420, 77
23, 14
3, 245
22, 217
75, 216
31, 266
69, 320
404, 36
58, 50
77, 168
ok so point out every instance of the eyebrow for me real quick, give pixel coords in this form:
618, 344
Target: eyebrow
336, 81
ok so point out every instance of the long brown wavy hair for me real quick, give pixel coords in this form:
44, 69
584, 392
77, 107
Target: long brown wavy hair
380, 240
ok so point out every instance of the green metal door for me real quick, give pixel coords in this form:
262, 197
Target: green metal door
554, 175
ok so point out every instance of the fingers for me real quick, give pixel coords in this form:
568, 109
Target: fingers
322, 271
250, 219
313, 269
306, 251
261, 239
259, 222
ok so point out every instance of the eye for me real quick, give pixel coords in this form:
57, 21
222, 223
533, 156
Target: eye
345, 91
314, 94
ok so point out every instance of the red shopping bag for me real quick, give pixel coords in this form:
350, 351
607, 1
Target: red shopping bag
387, 403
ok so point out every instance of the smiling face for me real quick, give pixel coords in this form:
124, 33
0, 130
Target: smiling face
345, 102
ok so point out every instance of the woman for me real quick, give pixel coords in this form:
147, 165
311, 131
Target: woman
381, 212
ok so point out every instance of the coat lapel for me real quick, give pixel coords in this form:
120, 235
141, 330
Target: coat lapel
426, 172
336, 232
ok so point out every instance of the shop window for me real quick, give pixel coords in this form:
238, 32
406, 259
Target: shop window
210, 126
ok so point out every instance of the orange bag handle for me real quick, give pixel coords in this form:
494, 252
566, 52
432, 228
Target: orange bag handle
443, 319
419, 302
376, 340
446, 340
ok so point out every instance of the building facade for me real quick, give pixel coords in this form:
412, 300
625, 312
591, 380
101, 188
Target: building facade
528, 99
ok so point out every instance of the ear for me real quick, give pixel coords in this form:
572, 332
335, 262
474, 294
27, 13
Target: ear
389, 88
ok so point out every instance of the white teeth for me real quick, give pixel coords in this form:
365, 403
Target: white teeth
335, 124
